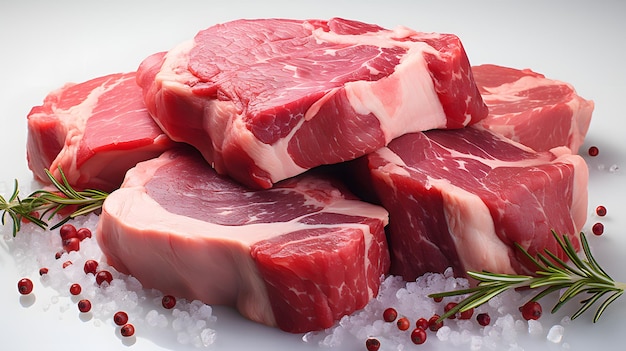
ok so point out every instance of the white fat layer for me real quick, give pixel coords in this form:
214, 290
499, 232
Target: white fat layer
472, 229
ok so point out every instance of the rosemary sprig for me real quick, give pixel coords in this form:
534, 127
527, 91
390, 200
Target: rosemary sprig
42, 205
583, 275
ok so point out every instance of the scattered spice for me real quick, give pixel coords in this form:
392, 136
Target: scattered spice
120, 318
75, 289
598, 229
84, 305
168, 301
25, 286
127, 330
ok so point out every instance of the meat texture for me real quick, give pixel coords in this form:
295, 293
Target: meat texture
531, 109
94, 131
462, 198
298, 256
264, 100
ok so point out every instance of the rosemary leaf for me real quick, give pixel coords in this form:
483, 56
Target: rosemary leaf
42, 205
553, 274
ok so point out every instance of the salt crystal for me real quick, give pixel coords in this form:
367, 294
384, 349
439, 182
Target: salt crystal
614, 168
183, 338
566, 320
476, 343
152, 318
555, 334
443, 333
534, 327
207, 337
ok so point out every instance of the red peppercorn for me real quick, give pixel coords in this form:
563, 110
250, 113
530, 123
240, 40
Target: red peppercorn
71, 244
372, 344
75, 289
601, 211
59, 254
25, 286
598, 229
433, 324
438, 299
390, 314
127, 330
403, 323
91, 266
83, 233
483, 319
168, 301
422, 323
43, 271
67, 264
418, 336
467, 314
531, 310
84, 305
120, 318
67, 231
103, 276
593, 151
448, 307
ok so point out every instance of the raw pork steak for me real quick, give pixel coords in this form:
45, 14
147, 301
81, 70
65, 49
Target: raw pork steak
95, 131
299, 256
462, 198
264, 100
531, 109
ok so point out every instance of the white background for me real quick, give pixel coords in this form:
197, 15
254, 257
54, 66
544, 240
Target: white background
44, 44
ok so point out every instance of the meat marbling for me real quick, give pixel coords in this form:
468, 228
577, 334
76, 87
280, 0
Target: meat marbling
462, 198
531, 109
299, 256
267, 99
95, 131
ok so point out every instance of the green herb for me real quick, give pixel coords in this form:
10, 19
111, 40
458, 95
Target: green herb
42, 205
582, 275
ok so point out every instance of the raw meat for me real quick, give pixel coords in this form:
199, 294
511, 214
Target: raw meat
299, 256
462, 198
264, 100
531, 109
95, 131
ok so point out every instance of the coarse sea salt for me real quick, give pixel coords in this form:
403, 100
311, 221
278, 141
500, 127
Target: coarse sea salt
192, 322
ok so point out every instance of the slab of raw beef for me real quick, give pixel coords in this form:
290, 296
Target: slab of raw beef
298, 256
264, 100
95, 131
462, 198
531, 109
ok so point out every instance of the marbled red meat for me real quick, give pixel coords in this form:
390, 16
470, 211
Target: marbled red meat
298, 256
95, 131
531, 109
462, 198
264, 100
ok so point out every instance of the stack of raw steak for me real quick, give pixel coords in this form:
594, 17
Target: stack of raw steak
251, 221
